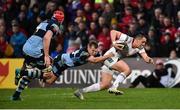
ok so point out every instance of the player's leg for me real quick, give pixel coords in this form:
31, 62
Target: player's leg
31, 68
28, 74
124, 70
104, 84
18, 73
23, 83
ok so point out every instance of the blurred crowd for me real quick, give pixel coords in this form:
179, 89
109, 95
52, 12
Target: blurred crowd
92, 20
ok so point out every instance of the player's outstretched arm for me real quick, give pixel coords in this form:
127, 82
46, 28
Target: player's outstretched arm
93, 59
146, 58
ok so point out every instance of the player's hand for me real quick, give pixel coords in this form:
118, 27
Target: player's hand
150, 60
91, 58
111, 55
47, 61
118, 46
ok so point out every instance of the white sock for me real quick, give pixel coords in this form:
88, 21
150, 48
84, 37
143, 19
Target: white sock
92, 88
120, 78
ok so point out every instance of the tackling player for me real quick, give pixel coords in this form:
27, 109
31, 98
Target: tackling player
62, 62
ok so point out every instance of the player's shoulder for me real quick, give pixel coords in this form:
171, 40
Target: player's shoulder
124, 38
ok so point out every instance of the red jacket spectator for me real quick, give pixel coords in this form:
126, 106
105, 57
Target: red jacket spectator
127, 18
104, 37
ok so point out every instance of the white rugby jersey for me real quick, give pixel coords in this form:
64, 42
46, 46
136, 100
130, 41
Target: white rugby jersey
128, 50
119, 54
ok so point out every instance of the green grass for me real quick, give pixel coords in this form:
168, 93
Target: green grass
51, 98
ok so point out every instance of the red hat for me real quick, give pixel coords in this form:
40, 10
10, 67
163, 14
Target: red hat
59, 15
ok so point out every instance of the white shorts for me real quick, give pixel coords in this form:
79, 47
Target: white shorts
111, 61
106, 68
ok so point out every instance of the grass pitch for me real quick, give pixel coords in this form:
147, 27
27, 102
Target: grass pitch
52, 98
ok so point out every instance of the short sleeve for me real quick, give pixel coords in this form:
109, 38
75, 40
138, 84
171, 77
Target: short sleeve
54, 28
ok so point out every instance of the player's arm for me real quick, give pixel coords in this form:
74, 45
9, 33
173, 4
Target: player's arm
93, 59
46, 44
116, 35
146, 58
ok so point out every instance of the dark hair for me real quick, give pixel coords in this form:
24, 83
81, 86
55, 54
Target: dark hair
93, 43
140, 35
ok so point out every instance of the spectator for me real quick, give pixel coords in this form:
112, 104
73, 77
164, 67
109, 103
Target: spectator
141, 6
153, 80
101, 23
32, 15
93, 29
104, 37
71, 7
132, 31
173, 55
177, 20
143, 26
88, 12
80, 13
159, 4
108, 13
50, 8
155, 18
166, 45
177, 41
73, 46
3, 30
82, 34
23, 22
95, 17
128, 16
70, 11
70, 36
57, 51
172, 8
119, 7
168, 26
153, 42
10, 11
3, 45
17, 39
114, 24
3, 38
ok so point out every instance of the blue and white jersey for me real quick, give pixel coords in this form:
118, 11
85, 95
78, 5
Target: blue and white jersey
76, 58
34, 45
66, 60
